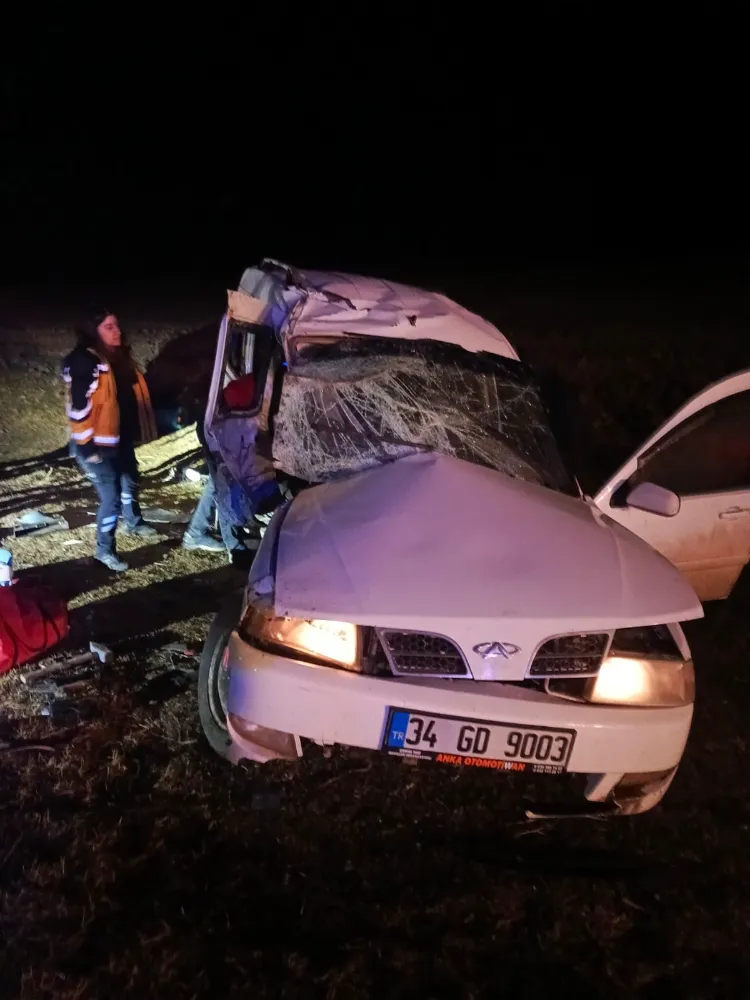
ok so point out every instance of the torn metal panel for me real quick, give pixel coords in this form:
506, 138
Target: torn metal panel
361, 402
302, 302
272, 289
346, 303
245, 308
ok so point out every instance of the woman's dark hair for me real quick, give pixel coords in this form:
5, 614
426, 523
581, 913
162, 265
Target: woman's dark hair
87, 332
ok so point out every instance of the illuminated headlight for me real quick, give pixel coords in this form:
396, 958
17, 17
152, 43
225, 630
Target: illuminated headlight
630, 680
624, 680
316, 640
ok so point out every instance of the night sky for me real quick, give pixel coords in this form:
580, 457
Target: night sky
133, 148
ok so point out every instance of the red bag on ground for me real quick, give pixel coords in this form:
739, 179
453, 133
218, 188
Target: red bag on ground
32, 620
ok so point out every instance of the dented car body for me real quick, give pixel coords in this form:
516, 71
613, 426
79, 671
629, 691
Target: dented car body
437, 587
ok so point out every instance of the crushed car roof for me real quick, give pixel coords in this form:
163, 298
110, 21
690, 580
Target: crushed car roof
333, 303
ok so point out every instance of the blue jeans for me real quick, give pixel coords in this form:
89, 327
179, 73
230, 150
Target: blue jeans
116, 480
202, 520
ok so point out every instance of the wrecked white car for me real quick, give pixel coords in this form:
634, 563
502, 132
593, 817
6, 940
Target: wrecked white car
536, 633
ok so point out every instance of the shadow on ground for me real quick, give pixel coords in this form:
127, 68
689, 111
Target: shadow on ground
26, 466
157, 606
72, 493
72, 578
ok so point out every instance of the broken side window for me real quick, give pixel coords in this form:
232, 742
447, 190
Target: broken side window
249, 351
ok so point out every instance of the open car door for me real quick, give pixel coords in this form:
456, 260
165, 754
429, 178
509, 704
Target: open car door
686, 491
246, 378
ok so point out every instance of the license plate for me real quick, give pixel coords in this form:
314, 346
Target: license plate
497, 746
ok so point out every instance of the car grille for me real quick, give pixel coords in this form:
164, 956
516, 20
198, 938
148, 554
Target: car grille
570, 655
422, 653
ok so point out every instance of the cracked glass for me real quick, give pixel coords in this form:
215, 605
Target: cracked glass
353, 403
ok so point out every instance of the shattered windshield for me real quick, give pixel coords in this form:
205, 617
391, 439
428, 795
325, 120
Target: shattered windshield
351, 403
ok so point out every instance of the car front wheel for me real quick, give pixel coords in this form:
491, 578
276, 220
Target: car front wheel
213, 676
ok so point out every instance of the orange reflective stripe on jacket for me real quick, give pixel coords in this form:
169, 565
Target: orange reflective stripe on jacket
98, 419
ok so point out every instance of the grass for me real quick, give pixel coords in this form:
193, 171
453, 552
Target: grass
134, 863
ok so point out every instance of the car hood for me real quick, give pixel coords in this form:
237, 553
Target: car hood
433, 543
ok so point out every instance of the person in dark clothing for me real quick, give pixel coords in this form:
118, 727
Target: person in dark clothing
198, 534
109, 412
221, 494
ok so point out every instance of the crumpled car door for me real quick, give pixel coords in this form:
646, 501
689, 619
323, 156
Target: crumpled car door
248, 361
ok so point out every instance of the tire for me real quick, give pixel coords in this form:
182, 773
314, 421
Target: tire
211, 698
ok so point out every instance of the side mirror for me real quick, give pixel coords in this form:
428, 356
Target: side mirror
654, 499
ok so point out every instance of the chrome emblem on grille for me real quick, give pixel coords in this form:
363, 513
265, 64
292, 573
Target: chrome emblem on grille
490, 650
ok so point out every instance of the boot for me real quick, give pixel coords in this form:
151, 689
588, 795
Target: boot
204, 542
111, 560
140, 529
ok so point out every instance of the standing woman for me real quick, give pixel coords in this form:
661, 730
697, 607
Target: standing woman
109, 412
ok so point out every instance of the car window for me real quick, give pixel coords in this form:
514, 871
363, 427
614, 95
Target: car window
708, 453
239, 356
353, 402
246, 364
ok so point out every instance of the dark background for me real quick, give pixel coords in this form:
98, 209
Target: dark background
147, 146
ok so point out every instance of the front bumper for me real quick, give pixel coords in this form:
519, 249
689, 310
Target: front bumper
332, 706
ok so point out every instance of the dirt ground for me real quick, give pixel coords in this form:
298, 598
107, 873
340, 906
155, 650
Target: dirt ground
135, 863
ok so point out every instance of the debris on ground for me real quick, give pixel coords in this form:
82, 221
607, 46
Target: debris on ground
34, 523
157, 515
13, 746
64, 692
68, 711
194, 476
98, 652
181, 649
65, 686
